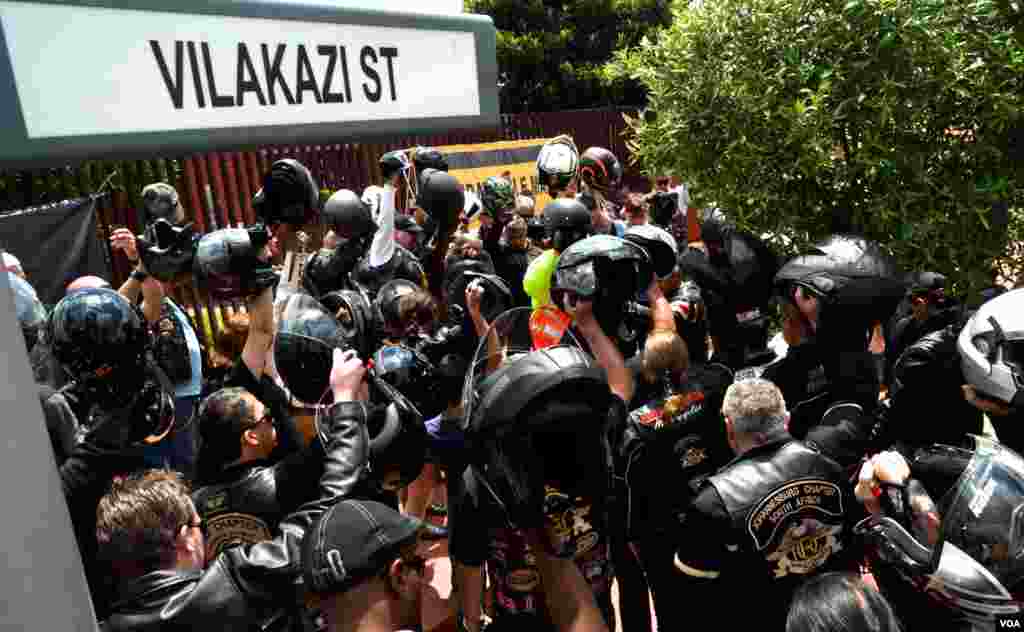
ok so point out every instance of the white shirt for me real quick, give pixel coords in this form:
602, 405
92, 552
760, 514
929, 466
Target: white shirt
383, 246
684, 196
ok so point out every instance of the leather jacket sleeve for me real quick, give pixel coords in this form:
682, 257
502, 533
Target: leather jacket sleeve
921, 359
296, 476
845, 427
843, 433
266, 570
926, 387
61, 424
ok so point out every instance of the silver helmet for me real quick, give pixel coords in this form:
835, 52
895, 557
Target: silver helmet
971, 561
991, 347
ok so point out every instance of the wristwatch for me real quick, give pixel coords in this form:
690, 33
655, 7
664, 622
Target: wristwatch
139, 275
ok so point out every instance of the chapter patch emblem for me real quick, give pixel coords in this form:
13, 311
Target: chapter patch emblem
806, 546
231, 529
798, 525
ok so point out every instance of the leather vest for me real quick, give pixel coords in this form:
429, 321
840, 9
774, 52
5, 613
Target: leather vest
787, 505
678, 438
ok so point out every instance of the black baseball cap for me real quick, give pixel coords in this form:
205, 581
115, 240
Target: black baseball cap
353, 541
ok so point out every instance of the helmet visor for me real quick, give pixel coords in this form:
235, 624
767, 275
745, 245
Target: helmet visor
581, 279
509, 336
985, 516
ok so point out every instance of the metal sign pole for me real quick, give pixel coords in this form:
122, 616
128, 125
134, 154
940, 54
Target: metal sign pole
42, 581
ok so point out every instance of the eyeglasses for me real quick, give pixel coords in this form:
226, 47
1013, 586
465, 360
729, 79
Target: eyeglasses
199, 523
266, 418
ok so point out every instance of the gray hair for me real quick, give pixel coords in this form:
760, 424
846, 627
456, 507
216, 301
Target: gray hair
755, 406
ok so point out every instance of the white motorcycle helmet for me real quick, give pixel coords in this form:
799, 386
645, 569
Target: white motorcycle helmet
558, 164
991, 347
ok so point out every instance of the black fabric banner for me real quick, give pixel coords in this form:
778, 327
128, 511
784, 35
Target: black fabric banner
56, 243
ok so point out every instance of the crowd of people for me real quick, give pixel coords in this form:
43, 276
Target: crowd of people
572, 396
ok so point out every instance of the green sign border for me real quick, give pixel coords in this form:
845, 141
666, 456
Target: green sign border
17, 149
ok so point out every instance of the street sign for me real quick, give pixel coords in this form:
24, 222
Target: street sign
104, 78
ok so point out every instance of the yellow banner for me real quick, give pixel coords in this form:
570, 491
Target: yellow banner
513, 159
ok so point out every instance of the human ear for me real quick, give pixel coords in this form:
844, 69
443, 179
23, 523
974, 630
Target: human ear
249, 437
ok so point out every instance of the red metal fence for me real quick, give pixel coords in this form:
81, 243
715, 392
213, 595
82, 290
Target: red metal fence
217, 188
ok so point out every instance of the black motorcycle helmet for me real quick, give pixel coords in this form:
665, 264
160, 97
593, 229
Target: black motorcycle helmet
606, 270
167, 250
567, 221
348, 216
101, 340
602, 266
288, 195
413, 375
307, 335
536, 230
398, 436
541, 410
328, 271
857, 282
398, 443
441, 196
659, 244
972, 570
229, 263
497, 297
355, 315
428, 158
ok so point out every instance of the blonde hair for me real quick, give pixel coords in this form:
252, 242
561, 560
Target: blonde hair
229, 341
663, 351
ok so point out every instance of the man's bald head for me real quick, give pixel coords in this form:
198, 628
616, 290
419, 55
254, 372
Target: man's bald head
85, 283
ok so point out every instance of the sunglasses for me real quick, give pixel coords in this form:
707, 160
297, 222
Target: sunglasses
266, 418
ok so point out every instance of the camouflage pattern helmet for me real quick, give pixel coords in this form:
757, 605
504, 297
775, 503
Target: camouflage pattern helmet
497, 195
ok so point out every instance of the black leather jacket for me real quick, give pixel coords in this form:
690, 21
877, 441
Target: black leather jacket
248, 501
814, 381
61, 424
927, 402
85, 476
247, 585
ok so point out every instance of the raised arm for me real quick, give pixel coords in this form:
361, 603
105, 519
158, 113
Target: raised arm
608, 356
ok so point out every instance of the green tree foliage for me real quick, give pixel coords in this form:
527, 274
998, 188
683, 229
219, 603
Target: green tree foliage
551, 52
900, 119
